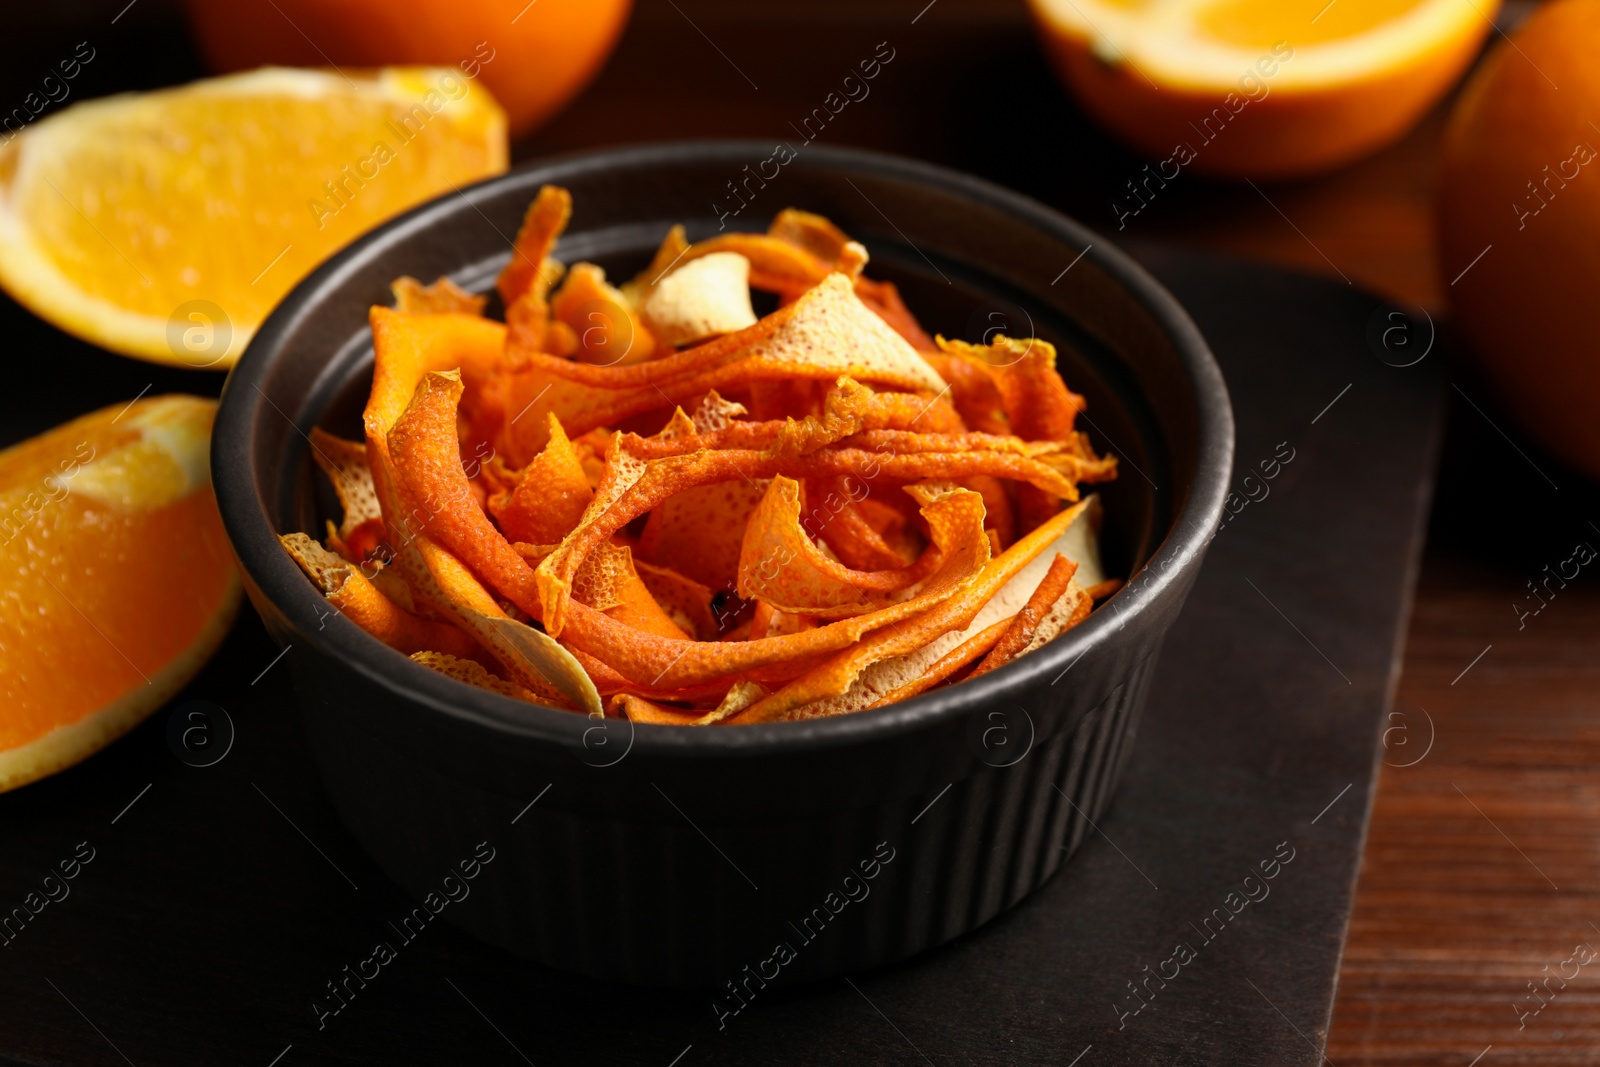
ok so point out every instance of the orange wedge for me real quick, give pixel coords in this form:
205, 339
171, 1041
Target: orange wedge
116, 580
166, 225
1259, 88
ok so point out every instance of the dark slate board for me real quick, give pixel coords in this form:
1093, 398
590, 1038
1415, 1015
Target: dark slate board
218, 905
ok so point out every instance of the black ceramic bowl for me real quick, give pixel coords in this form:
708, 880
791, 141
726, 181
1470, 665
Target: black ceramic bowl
782, 852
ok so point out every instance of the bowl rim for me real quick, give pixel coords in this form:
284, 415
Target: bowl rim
277, 578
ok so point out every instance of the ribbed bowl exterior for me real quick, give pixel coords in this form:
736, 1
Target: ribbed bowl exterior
686, 892
734, 858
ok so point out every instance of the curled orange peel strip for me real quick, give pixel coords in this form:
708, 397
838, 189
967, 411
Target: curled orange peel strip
1070, 608
782, 567
739, 697
473, 674
551, 496
661, 662
633, 486
345, 464
834, 508
701, 530
776, 265
827, 690
583, 408
638, 709
442, 297
1037, 403
356, 598
850, 410
431, 537
1062, 457
607, 330
826, 334
425, 456
947, 665
638, 290
666, 368
407, 346
423, 448
814, 233
421, 444
1024, 624
610, 684
407, 349
531, 658
543, 224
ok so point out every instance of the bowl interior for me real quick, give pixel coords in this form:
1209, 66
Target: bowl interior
970, 260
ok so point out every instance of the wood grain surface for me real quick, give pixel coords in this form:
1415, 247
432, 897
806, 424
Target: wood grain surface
1480, 871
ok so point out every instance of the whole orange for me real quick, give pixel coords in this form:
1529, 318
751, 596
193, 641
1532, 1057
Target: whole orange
534, 55
1519, 225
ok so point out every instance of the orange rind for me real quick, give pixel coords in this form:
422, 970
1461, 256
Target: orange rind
118, 582
809, 513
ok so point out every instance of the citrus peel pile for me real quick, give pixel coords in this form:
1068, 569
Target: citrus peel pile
646, 500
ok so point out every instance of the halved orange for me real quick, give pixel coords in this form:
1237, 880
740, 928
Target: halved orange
116, 579
1259, 88
166, 225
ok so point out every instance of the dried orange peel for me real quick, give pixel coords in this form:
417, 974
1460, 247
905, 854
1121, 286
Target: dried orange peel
946, 666
782, 567
1019, 634
606, 327
352, 595
742, 520
859, 676
550, 495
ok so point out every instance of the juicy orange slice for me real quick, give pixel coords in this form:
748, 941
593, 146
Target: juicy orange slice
116, 580
1260, 88
166, 225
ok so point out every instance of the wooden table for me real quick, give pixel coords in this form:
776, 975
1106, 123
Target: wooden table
1480, 868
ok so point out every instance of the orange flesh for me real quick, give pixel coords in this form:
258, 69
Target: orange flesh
97, 598
145, 213
1264, 23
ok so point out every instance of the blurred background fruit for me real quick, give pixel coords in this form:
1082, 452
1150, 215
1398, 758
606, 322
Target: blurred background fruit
166, 225
116, 579
535, 55
1260, 88
1519, 225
